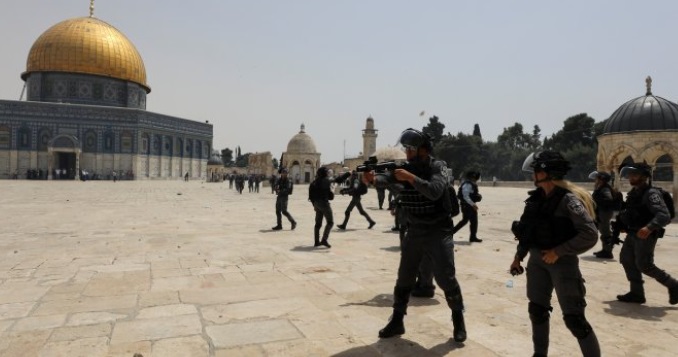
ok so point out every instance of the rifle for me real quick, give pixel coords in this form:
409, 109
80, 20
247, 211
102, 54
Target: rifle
373, 165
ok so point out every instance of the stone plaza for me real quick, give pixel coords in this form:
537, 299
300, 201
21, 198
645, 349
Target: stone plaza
172, 268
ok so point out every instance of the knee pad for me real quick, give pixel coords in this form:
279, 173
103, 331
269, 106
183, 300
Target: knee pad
538, 314
578, 325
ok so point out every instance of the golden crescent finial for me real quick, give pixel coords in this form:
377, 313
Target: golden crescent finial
91, 8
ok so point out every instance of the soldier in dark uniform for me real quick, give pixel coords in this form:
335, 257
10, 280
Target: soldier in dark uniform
356, 188
283, 188
320, 194
557, 224
604, 199
422, 188
644, 219
468, 197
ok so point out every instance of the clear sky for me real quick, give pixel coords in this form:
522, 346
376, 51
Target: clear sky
257, 70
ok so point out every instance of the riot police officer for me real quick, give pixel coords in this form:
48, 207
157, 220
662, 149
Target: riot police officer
556, 226
643, 219
422, 187
283, 188
356, 188
320, 194
604, 198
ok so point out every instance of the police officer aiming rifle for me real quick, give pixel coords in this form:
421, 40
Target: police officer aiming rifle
424, 194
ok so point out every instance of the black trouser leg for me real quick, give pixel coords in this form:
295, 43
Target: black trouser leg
359, 205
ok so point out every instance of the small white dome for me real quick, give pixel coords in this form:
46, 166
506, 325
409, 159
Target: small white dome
301, 143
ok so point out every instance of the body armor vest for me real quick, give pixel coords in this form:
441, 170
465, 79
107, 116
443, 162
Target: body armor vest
636, 215
416, 204
539, 227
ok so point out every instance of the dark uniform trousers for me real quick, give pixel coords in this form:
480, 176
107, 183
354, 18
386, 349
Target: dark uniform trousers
637, 258
438, 246
355, 202
322, 210
468, 215
281, 209
603, 224
565, 277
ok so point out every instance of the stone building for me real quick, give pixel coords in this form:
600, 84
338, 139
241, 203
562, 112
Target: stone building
301, 158
260, 163
369, 145
86, 110
642, 129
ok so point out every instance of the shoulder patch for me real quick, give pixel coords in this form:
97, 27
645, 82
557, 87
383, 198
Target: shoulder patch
655, 198
575, 206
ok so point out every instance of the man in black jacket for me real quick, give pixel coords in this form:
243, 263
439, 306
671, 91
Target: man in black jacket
320, 194
468, 197
355, 189
283, 188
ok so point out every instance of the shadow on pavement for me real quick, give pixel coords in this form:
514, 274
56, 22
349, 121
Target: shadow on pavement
399, 346
395, 248
386, 300
309, 248
637, 311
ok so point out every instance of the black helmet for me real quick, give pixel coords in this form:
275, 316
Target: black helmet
636, 167
322, 172
548, 161
473, 175
416, 139
283, 170
601, 175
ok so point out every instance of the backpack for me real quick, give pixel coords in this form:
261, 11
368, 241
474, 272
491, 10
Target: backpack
668, 201
617, 200
454, 203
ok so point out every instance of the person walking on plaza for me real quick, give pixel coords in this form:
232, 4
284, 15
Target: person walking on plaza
422, 188
469, 196
283, 188
186, 177
603, 196
556, 226
320, 194
356, 188
644, 219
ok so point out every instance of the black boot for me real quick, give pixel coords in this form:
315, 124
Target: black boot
372, 223
395, 326
277, 228
632, 298
589, 345
673, 295
459, 332
604, 254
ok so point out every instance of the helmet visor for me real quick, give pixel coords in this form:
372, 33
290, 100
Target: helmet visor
593, 175
528, 164
630, 170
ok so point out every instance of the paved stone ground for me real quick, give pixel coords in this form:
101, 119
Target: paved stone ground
192, 269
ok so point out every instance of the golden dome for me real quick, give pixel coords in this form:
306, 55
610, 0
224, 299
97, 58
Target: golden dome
86, 45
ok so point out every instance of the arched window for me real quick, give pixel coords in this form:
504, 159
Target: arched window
126, 142
44, 137
145, 142
24, 138
90, 141
663, 170
108, 141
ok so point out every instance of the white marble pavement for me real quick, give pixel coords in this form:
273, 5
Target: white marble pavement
192, 269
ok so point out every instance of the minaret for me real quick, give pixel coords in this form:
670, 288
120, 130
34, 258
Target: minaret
369, 138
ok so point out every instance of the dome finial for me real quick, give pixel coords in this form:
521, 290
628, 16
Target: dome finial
648, 85
91, 8
303, 128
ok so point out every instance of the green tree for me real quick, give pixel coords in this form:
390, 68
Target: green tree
227, 157
513, 137
242, 160
577, 129
434, 129
462, 152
